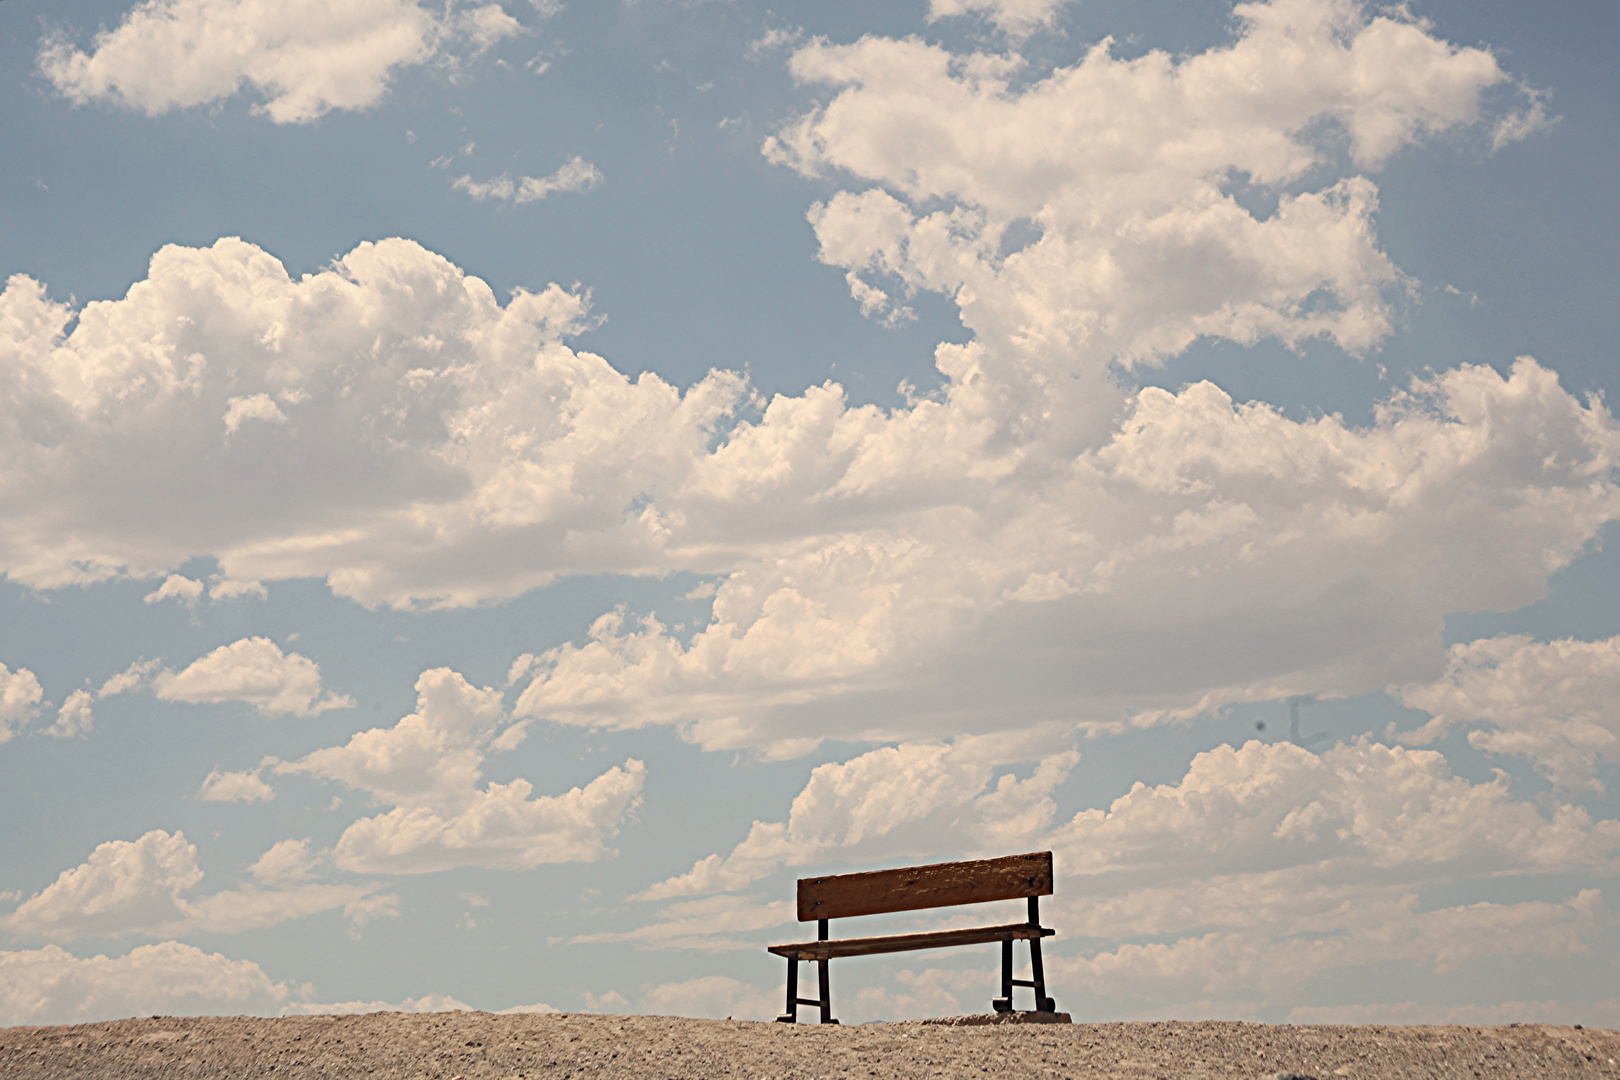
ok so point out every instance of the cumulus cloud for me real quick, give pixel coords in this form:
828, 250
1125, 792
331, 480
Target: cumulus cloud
189, 590
427, 1003
576, 175
256, 407
75, 718
429, 765
246, 786
302, 57
52, 986
1267, 871
224, 588
1017, 17
130, 678
20, 695
1270, 969
148, 886
1552, 703
893, 803
256, 671
1207, 553
1121, 170
1117, 557
286, 860
417, 406
713, 996
176, 587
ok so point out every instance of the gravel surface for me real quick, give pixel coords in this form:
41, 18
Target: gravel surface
468, 1045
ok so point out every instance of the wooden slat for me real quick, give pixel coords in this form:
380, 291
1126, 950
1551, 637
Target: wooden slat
938, 885
936, 939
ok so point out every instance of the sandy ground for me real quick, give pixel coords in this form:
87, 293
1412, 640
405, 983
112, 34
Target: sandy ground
468, 1045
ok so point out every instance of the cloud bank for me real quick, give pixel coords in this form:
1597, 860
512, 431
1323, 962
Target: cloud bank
52, 986
1255, 879
1116, 555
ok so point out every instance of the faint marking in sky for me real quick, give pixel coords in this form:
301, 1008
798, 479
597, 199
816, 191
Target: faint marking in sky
1294, 736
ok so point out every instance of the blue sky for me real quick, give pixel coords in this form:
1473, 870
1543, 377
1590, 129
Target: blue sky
493, 493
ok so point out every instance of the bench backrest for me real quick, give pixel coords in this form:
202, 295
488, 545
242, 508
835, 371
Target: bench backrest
938, 885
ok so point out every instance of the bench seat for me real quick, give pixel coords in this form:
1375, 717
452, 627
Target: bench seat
934, 939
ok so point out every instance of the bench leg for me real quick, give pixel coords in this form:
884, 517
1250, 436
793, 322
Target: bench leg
826, 993
1004, 1002
792, 1014
1036, 981
1038, 977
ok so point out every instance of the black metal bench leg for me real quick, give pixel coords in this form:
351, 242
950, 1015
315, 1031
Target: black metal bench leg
1038, 977
792, 1014
1004, 1002
826, 993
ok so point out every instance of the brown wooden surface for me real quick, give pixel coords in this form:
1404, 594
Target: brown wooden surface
937, 885
935, 939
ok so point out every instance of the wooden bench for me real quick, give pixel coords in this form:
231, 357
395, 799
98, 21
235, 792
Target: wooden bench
913, 888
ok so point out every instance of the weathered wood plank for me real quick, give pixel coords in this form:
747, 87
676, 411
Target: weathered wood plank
937, 885
934, 939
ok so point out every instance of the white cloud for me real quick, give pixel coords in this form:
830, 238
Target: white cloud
129, 679
487, 25
224, 588
176, 587
364, 909
124, 884
774, 38
893, 803
1272, 969
427, 1003
20, 695
253, 670
189, 590
471, 420
304, 58
1550, 702
930, 992
713, 996
1267, 542
255, 407
1120, 167
610, 1002
539, 1008
52, 986
1358, 813
74, 718
1531, 120
1017, 17
576, 175
286, 860
147, 887
907, 540
429, 766
246, 786
1267, 870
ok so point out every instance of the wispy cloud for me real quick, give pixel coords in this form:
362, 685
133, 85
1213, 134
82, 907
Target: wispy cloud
577, 175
